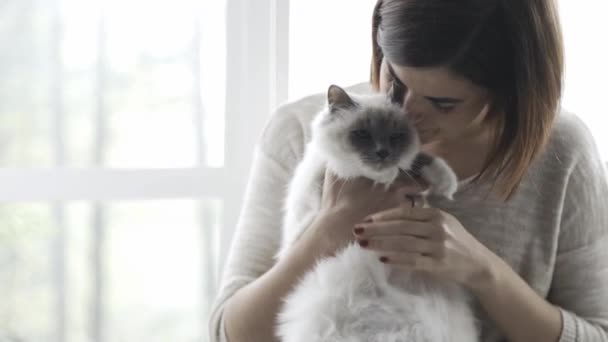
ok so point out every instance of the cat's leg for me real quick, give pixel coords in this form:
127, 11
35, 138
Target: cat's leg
437, 173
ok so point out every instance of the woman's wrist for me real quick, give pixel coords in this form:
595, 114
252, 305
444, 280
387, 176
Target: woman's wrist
330, 231
488, 276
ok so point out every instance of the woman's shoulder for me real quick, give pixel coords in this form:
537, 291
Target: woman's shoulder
570, 159
571, 140
287, 130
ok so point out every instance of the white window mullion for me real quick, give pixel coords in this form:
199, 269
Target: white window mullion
255, 82
279, 51
59, 245
207, 229
198, 112
98, 239
111, 184
98, 224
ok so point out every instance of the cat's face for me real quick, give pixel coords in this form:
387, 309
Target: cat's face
379, 137
365, 132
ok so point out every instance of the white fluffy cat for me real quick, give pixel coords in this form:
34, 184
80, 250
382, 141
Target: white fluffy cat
353, 297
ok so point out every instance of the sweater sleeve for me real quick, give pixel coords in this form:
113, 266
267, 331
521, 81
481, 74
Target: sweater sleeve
580, 281
257, 234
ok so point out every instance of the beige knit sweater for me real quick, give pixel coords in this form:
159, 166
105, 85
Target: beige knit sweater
553, 233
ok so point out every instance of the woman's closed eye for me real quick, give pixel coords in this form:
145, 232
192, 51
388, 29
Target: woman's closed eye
397, 92
398, 86
443, 107
443, 104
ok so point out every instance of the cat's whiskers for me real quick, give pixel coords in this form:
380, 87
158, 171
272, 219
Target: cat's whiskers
412, 178
341, 187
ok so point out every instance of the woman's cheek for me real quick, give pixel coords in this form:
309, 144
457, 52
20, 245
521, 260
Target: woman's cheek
430, 136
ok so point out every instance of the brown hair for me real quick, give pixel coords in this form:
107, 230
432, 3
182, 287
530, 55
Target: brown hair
513, 48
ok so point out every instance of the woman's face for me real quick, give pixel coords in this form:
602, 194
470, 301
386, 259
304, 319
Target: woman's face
442, 105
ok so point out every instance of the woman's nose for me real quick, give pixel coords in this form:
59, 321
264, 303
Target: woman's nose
412, 108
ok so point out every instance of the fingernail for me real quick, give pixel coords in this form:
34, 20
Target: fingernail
368, 219
363, 243
383, 259
358, 230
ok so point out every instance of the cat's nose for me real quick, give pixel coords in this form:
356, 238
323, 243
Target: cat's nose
382, 153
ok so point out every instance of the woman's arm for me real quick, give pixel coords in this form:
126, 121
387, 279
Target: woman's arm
434, 241
250, 314
258, 232
576, 309
516, 309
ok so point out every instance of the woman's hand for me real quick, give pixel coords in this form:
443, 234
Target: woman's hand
426, 239
346, 202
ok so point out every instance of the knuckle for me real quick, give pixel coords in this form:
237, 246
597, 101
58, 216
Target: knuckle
415, 261
430, 247
376, 217
441, 233
435, 221
404, 205
435, 212
440, 251
436, 217
377, 244
409, 242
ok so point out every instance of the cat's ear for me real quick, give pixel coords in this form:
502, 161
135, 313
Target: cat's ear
337, 98
396, 94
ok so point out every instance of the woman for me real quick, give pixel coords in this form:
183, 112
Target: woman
527, 232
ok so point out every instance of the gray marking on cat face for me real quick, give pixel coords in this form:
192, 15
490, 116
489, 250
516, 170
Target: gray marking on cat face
380, 137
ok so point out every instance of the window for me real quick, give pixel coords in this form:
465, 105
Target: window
329, 43
112, 155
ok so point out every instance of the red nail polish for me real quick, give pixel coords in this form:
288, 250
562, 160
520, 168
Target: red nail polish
383, 259
358, 230
363, 243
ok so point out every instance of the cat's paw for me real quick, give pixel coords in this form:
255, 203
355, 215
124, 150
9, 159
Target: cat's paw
442, 179
445, 188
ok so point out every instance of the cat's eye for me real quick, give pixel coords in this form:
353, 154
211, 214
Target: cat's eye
361, 134
397, 137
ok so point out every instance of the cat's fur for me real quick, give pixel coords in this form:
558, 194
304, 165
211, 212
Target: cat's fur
352, 297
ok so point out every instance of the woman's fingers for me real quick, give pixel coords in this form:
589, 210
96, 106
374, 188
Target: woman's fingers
401, 244
391, 228
407, 260
404, 212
